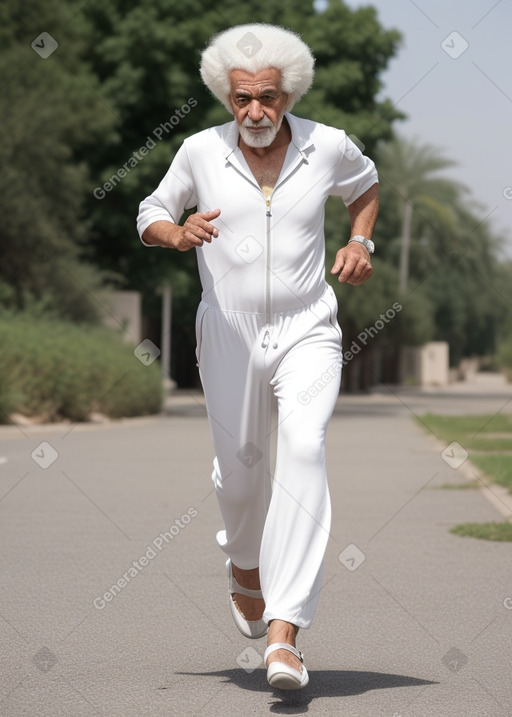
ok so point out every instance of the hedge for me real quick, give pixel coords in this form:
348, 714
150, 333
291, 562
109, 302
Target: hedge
57, 370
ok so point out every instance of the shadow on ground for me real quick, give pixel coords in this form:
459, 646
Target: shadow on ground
323, 683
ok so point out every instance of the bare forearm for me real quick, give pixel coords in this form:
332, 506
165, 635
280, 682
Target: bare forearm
196, 230
162, 233
363, 212
352, 263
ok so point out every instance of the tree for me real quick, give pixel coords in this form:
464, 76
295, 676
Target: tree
146, 56
49, 110
457, 290
453, 255
411, 171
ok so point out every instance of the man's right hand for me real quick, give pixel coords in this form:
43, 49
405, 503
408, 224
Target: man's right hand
196, 230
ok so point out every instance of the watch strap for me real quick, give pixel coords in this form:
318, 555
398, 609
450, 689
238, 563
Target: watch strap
367, 243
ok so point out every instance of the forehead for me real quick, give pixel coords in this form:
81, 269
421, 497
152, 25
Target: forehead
255, 81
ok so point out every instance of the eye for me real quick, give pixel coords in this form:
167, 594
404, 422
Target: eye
269, 99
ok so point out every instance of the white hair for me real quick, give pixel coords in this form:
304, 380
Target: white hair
253, 48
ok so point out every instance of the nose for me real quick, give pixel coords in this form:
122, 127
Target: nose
255, 112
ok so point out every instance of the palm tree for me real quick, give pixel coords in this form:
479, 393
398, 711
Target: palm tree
454, 256
410, 183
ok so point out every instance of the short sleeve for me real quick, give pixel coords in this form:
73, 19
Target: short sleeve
175, 193
355, 173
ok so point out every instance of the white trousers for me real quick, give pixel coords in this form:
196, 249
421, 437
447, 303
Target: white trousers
283, 525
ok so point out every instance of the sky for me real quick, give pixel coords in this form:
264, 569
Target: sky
452, 78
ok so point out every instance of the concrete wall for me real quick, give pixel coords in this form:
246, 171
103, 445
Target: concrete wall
124, 311
427, 365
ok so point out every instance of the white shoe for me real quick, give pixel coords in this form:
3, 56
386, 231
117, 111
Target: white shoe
250, 628
283, 676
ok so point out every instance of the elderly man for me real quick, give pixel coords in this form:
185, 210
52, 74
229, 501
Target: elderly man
267, 326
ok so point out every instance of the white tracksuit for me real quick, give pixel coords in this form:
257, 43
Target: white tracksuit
267, 330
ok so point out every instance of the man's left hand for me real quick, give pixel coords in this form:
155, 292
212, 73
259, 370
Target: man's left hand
353, 264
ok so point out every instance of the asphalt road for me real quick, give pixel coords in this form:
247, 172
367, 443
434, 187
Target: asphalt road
113, 596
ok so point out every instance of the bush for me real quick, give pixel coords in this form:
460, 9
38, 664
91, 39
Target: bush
56, 370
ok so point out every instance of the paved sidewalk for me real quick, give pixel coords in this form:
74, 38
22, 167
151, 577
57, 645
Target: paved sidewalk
413, 621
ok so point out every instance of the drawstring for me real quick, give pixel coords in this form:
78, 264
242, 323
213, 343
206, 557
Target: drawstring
266, 340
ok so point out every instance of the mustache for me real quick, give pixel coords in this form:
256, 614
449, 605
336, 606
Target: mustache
262, 123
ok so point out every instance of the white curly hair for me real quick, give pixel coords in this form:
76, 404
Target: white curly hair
255, 47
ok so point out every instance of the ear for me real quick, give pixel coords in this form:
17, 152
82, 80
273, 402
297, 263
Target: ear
289, 103
228, 104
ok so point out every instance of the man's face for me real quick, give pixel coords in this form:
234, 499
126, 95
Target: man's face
258, 105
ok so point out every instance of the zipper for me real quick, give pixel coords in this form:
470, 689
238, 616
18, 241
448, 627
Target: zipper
268, 298
301, 158
268, 217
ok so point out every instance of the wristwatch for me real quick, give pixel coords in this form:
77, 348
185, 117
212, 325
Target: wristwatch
367, 243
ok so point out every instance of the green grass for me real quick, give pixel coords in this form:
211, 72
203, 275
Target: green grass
485, 438
485, 531
475, 433
499, 468
485, 434
468, 485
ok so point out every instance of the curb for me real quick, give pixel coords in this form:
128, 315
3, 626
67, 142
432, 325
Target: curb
496, 494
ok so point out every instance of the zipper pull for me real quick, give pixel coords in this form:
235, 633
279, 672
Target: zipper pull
267, 201
266, 338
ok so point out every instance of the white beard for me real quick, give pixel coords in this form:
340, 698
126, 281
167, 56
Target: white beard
260, 139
